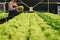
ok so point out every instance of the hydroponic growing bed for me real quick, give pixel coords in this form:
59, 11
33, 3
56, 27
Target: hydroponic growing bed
31, 26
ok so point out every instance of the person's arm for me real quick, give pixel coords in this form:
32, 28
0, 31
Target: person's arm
10, 7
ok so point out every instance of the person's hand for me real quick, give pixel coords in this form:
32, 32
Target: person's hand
18, 9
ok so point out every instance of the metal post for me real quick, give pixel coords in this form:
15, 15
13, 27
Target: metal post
58, 8
4, 7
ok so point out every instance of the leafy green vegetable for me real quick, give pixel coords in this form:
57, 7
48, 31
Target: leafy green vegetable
31, 26
3, 15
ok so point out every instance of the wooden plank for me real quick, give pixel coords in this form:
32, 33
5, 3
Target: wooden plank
42, 2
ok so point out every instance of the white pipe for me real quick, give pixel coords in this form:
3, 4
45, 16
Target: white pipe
37, 3
30, 8
24, 3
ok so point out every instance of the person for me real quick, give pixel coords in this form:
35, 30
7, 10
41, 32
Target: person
13, 9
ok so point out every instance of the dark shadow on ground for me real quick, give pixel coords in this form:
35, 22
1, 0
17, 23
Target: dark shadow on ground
7, 19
